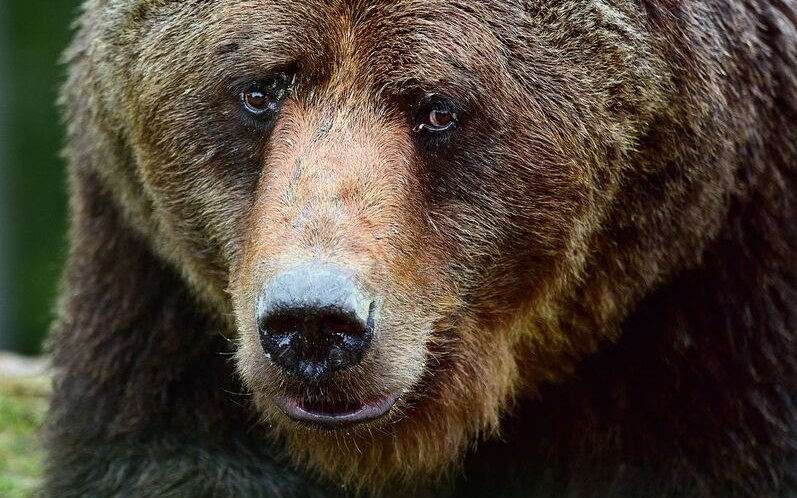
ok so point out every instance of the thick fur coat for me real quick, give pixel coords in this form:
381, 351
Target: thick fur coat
588, 284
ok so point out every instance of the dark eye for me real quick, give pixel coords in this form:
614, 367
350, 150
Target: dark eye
436, 114
265, 97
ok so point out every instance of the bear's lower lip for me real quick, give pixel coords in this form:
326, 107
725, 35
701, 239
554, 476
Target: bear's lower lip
327, 415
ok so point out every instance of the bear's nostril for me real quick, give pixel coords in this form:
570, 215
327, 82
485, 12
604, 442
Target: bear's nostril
314, 321
337, 325
282, 325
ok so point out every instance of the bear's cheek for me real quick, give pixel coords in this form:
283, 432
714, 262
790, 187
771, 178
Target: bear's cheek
198, 173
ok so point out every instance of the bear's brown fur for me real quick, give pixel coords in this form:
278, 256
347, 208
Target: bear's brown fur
597, 262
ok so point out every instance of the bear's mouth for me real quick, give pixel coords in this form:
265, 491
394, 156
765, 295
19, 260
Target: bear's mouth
326, 414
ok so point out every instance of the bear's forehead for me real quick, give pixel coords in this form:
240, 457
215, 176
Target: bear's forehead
369, 23
397, 43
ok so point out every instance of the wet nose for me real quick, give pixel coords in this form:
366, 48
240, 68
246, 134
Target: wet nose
315, 320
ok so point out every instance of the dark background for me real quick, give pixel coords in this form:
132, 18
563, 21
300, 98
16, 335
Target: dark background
32, 195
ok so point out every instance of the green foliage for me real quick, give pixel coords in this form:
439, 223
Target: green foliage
36, 34
22, 406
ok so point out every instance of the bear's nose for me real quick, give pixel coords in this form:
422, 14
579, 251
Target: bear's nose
314, 320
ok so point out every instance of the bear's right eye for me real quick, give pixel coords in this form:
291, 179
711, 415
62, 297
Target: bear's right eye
264, 98
437, 115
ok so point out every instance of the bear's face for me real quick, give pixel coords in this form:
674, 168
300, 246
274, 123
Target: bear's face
396, 202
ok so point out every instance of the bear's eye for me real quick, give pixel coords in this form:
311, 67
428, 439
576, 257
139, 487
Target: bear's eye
255, 101
264, 98
436, 114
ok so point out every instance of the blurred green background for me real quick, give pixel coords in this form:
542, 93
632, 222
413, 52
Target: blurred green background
32, 197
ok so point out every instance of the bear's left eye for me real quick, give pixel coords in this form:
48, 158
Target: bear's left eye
436, 114
264, 98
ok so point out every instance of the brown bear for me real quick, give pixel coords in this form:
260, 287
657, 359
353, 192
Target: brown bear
429, 248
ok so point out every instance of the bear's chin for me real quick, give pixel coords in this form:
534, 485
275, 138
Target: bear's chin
420, 440
413, 444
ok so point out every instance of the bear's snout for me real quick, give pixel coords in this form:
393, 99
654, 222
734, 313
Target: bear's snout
315, 320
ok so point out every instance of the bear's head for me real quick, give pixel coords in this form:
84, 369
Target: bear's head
411, 213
